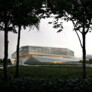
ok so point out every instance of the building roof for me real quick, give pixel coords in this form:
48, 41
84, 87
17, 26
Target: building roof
43, 51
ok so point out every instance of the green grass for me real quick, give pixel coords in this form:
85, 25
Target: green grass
47, 78
49, 72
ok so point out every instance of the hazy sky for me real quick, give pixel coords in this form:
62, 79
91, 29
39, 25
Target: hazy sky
47, 36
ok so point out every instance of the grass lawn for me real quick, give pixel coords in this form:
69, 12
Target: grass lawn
47, 79
51, 72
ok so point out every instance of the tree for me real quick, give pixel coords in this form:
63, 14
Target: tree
80, 13
27, 14
81, 16
1, 61
6, 25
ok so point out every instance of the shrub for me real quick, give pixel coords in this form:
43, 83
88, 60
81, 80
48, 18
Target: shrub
80, 61
87, 61
1, 61
9, 61
90, 61
47, 85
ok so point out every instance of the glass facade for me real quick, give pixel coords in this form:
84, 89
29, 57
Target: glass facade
44, 51
50, 51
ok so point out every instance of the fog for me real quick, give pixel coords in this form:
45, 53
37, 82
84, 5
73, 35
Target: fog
47, 36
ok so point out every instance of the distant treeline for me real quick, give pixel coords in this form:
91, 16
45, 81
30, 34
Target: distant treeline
8, 61
89, 61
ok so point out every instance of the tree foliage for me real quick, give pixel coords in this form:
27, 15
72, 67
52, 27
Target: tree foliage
6, 16
77, 11
81, 16
26, 13
17, 13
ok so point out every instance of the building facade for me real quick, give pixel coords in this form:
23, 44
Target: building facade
27, 52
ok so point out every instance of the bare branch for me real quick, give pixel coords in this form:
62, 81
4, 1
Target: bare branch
79, 39
87, 30
78, 34
76, 26
80, 31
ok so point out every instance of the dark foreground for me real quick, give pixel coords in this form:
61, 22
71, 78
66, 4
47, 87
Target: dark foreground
47, 79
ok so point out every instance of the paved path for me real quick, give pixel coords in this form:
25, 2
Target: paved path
75, 65
1, 67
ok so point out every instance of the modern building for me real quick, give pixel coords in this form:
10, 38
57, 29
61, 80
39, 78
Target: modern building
42, 54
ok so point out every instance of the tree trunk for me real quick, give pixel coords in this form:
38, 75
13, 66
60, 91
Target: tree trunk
17, 54
5, 52
84, 55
